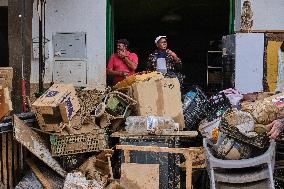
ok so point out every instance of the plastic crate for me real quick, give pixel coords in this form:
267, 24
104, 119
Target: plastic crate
78, 143
196, 111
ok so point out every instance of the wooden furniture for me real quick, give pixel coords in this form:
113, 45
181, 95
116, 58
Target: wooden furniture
187, 152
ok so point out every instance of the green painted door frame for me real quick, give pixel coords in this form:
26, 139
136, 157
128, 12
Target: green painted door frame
232, 16
109, 29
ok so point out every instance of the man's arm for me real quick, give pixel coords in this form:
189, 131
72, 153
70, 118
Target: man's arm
110, 67
129, 63
174, 55
116, 73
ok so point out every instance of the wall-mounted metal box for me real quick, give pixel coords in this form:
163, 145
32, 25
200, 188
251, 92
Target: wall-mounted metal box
70, 46
70, 72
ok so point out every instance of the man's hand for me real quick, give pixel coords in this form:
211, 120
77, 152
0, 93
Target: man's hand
276, 127
124, 74
121, 54
171, 53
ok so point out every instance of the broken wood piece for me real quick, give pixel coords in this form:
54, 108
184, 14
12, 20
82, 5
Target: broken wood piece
96, 167
38, 174
109, 165
35, 144
140, 176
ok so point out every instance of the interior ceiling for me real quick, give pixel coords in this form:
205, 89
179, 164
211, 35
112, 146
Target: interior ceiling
192, 12
197, 22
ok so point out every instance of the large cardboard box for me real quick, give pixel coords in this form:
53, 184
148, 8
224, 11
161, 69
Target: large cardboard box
160, 97
58, 104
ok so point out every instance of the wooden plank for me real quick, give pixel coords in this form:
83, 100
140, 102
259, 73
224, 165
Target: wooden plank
188, 163
35, 144
15, 161
10, 159
39, 174
158, 149
1, 158
142, 176
4, 160
126, 156
189, 134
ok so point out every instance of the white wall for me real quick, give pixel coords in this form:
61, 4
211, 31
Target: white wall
76, 16
249, 62
267, 14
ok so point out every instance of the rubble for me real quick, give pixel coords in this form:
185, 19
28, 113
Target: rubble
263, 112
77, 180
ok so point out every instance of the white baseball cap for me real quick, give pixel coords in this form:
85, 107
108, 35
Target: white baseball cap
159, 37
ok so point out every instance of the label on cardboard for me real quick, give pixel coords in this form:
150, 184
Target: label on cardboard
67, 101
51, 93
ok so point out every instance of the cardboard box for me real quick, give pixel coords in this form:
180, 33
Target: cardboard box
160, 97
6, 77
5, 102
58, 104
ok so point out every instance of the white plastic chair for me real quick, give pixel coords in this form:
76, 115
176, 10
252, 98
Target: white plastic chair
245, 177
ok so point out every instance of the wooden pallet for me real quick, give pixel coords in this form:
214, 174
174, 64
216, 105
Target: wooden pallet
10, 160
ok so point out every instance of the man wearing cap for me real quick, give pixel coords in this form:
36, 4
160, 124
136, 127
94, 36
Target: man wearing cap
163, 59
122, 63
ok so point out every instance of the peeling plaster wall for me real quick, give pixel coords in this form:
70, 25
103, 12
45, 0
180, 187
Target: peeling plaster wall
267, 14
76, 16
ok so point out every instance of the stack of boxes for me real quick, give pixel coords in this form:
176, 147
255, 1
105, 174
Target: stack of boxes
56, 112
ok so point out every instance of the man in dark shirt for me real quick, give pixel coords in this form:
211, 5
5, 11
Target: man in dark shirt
163, 59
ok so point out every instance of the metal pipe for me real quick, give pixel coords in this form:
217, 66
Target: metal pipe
40, 51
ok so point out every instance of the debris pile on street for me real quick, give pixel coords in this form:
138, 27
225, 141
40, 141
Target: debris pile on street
75, 129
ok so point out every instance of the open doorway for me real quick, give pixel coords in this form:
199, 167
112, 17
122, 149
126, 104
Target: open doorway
192, 28
4, 48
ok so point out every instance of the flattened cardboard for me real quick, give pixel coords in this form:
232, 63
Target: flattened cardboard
160, 97
35, 144
140, 176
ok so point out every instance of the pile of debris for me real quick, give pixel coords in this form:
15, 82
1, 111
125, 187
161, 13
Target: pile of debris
71, 135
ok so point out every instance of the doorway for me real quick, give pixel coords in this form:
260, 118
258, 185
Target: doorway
4, 48
192, 27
